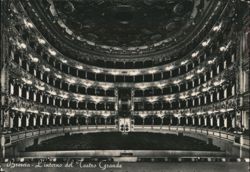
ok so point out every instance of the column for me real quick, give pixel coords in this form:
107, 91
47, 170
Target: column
77, 104
232, 58
218, 95
68, 87
27, 120
171, 120
211, 74
211, 121
245, 120
54, 120
77, 72
60, 86
11, 89
47, 99
211, 97
12, 116
218, 120
77, 120
47, 120
68, 69
27, 67
68, 120
20, 61
34, 72
41, 76
193, 120
41, 98
233, 122
86, 105
205, 120
68, 103
179, 104
54, 101
19, 91
34, 96
179, 120
187, 121
60, 102
225, 93
86, 121
116, 102
199, 120
225, 121
34, 120
105, 121
41, 120
20, 117
233, 90
218, 69
60, 120
238, 118
47, 79
225, 64
132, 99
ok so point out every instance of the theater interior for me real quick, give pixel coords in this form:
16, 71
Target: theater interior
152, 84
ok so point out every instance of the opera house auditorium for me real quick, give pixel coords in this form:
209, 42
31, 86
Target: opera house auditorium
139, 82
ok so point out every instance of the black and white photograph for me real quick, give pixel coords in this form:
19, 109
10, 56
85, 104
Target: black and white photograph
125, 86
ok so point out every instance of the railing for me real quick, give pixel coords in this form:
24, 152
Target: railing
11, 138
30, 105
244, 140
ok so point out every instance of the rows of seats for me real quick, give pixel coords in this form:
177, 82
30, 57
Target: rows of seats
116, 141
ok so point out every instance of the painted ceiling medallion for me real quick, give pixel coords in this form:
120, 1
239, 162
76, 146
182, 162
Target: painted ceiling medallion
123, 23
